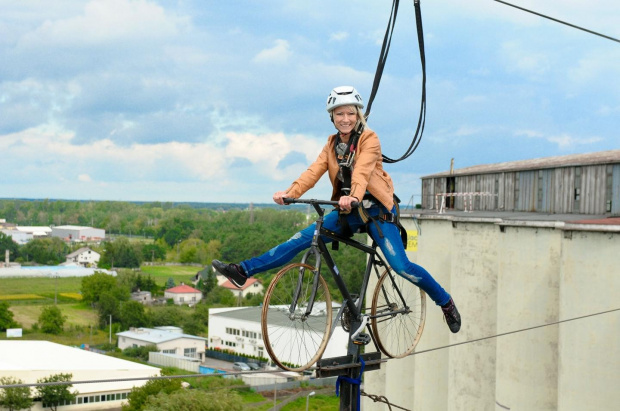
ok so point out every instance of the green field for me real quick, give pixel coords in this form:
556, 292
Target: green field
40, 285
180, 273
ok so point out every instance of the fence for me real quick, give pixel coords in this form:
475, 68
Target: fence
468, 199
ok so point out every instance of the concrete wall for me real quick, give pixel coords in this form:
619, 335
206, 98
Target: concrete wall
507, 276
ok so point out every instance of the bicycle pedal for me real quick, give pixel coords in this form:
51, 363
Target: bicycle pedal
362, 339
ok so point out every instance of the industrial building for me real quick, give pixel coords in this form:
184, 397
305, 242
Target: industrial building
238, 330
30, 361
78, 233
575, 184
538, 298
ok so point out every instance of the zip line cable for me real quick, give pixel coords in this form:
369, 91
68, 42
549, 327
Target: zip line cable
347, 366
559, 21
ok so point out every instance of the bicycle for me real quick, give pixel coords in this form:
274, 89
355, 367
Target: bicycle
297, 313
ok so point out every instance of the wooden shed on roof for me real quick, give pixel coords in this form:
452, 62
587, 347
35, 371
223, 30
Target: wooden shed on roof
577, 183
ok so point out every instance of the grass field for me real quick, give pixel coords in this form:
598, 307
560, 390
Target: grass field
77, 314
40, 285
180, 273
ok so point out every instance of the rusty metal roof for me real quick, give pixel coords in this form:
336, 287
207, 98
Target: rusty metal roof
601, 157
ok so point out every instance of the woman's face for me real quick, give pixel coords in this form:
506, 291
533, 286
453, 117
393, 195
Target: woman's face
345, 118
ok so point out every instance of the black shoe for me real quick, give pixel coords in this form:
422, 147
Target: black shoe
234, 272
452, 316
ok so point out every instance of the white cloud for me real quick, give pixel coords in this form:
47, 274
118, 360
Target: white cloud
565, 141
85, 178
339, 36
279, 53
105, 21
524, 60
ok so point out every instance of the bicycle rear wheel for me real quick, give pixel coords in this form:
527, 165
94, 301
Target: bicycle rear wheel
398, 314
295, 341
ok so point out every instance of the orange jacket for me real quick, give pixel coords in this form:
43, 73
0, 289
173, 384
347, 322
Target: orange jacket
368, 174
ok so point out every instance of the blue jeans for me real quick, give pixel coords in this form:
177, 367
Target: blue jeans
391, 245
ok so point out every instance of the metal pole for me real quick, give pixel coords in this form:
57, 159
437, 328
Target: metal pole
110, 329
348, 391
275, 394
308, 399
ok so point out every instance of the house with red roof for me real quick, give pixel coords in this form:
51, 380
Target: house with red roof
183, 294
251, 286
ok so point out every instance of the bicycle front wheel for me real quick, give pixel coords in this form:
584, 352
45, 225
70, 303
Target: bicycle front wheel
398, 314
294, 339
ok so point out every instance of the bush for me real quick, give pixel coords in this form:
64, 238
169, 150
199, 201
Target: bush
141, 352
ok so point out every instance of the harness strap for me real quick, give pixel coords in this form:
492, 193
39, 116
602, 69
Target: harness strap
355, 381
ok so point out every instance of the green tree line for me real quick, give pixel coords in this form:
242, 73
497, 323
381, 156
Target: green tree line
168, 232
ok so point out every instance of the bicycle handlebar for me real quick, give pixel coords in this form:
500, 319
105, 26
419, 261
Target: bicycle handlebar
287, 200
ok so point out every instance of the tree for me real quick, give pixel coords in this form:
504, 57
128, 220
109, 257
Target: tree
207, 280
51, 251
51, 320
192, 326
133, 315
7, 243
170, 283
138, 396
221, 296
54, 395
155, 251
121, 253
194, 400
17, 398
6, 317
168, 315
107, 306
93, 286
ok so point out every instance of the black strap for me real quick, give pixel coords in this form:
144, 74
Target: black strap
385, 48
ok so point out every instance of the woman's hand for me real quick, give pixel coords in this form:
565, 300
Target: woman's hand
279, 197
345, 202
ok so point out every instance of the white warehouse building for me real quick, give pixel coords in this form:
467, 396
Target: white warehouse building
30, 361
238, 329
78, 233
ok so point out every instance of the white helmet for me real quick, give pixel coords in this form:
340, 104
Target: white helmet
344, 96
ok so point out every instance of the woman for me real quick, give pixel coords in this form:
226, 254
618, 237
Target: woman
352, 158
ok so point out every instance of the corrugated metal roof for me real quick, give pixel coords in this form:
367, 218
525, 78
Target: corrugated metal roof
156, 336
601, 157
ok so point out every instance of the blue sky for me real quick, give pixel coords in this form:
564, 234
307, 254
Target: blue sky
224, 101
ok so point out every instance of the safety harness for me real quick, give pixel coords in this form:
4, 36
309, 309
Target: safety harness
345, 155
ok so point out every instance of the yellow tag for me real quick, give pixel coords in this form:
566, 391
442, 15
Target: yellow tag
412, 240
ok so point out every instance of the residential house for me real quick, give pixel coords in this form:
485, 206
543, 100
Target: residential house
143, 297
168, 340
84, 256
251, 286
183, 294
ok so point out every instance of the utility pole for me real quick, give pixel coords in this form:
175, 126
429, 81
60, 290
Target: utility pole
110, 329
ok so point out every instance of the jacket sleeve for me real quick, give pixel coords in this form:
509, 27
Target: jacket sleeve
311, 176
367, 156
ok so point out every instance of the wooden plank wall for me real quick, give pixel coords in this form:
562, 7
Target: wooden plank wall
548, 191
593, 189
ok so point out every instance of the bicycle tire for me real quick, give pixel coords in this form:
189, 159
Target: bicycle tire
295, 343
397, 335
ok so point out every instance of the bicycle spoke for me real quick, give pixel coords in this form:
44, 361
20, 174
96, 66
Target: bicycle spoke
295, 340
397, 315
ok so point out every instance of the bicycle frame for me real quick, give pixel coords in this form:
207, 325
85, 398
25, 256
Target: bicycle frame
319, 249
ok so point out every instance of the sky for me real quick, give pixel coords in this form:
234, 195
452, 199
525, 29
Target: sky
224, 101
